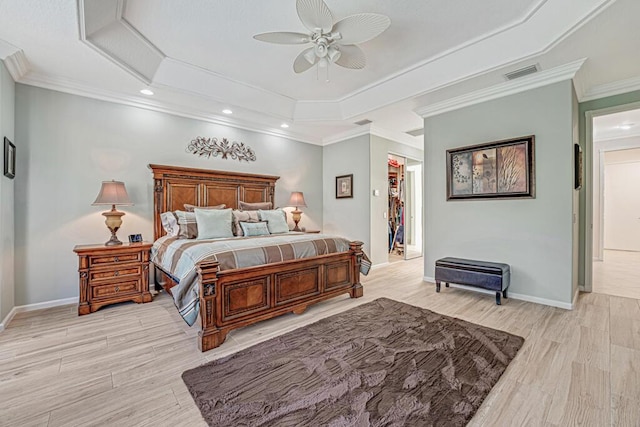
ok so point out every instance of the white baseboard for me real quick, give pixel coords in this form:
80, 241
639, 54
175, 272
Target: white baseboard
36, 306
7, 319
521, 297
382, 264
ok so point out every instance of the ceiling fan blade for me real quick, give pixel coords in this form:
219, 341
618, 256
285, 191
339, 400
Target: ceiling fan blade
282, 37
315, 14
351, 56
302, 64
360, 28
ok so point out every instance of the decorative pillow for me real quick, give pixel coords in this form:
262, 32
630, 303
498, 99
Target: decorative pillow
254, 228
170, 223
245, 216
187, 225
190, 208
243, 206
213, 223
275, 221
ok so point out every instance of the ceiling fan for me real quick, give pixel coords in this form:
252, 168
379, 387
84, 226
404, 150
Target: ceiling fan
332, 42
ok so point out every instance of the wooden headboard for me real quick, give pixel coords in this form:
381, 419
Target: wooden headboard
174, 186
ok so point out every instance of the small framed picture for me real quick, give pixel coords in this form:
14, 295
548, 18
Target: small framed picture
344, 186
9, 159
135, 238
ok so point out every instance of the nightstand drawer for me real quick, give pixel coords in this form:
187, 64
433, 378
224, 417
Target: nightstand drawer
113, 273
114, 289
115, 259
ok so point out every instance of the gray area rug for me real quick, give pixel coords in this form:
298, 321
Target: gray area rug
383, 363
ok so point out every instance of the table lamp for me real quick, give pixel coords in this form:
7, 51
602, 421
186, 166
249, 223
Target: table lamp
113, 193
297, 200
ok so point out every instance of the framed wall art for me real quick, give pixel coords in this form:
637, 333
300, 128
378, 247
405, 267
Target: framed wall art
495, 170
344, 186
9, 159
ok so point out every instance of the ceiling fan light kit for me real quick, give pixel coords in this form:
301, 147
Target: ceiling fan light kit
333, 43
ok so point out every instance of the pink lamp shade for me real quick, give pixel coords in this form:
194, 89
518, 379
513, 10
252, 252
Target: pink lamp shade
112, 193
297, 200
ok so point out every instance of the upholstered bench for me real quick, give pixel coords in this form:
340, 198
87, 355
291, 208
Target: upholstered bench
493, 276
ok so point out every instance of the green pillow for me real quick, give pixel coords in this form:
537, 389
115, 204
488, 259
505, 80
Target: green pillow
213, 223
254, 228
275, 220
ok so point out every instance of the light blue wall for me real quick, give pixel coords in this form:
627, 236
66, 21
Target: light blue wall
347, 217
7, 236
534, 236
68, 144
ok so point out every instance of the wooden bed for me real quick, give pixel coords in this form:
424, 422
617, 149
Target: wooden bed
234, 298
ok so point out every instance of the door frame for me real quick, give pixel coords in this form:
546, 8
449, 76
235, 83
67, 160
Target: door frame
588, 248
393, 153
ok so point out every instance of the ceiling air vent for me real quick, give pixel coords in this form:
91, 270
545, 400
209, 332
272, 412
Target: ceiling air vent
416, 132
522, 72
363, 122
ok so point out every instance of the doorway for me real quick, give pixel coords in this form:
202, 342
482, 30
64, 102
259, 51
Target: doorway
616, 204
404, 207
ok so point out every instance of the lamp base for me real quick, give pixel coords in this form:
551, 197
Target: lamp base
296, 216
113, 241
113, 221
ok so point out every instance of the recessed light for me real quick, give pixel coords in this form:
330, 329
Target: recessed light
146, 92
626, 126
227, 111
284, 125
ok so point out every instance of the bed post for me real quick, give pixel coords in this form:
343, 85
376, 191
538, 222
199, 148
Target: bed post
356, 257
209, 335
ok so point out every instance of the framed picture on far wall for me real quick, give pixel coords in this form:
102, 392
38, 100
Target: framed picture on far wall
344, 186
9, 159
495, 170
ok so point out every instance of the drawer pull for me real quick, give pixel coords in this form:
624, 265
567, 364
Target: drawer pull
116, 273
117, 288
116, 259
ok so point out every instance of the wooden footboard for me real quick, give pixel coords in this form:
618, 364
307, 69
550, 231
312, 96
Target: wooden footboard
235, 298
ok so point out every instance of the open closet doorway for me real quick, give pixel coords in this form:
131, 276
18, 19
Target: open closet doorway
616, 204
405, 208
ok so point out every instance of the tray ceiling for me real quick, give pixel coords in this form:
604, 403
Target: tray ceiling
200, 56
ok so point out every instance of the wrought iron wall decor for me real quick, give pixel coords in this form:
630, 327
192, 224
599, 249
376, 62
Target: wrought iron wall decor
207, 147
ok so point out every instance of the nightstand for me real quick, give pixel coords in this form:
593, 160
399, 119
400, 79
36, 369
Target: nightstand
311, 231
110, 274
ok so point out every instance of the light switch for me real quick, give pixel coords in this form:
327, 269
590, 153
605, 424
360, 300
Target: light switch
384, 215
376, 193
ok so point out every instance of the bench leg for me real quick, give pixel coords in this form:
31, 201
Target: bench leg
446, 284
437, 286
498, 298
504, 294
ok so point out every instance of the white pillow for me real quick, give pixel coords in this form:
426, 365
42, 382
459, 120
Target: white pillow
169, 223
275, 221
213, 223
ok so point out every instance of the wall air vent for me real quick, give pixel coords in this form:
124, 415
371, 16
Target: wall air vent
522, 72
363, 122
416, 132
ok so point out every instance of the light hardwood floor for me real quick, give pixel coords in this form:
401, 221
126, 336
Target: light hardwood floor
121, 365
618, 274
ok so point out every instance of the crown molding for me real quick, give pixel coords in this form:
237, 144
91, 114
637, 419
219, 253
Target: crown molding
17, 65
543, 78
76, 88
611, 89
371, 129
351, 133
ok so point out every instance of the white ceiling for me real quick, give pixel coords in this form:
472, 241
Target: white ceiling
199, 56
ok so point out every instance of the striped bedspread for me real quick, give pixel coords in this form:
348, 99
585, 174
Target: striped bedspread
178, 258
